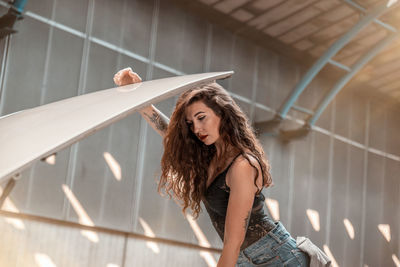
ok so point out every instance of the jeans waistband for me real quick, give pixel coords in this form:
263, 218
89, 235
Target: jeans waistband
268, 245
277, 235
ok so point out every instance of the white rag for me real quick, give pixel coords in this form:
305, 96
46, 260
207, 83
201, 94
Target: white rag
317, 257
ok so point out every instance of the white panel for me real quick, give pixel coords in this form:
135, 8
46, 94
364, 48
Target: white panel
79, 117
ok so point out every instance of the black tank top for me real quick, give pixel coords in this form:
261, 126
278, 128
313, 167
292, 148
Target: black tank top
216, 202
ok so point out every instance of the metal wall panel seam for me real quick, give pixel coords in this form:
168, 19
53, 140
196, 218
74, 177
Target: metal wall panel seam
311, 178
72, 160
364, 195
48, 53
208, 48
254, 87
166, 203
123, 260
347, 201
291, 175
269, 155
382, 191
183, 35
3, 77
232, 56
143, 125
291, 186
381, 213
153, 39
42, 97
107, 176
139, 174
86, 49
330, 175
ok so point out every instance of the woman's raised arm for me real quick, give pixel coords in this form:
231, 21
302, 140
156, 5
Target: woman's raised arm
157, 120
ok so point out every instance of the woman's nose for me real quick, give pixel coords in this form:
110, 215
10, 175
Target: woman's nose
196, 128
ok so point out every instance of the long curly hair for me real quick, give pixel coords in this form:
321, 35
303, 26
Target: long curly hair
185, 162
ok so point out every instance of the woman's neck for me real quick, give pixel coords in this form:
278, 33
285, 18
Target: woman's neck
224, 151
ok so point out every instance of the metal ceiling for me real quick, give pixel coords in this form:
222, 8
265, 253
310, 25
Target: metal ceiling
310, 27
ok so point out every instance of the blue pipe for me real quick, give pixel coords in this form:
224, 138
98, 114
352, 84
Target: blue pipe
19, 5
327, 56
377, 21
304, 110
355, 68
339, 65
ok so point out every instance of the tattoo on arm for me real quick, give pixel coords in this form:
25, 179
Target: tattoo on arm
159, 122
246, 221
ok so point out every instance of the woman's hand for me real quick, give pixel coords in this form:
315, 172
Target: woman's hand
126, 76
153, 116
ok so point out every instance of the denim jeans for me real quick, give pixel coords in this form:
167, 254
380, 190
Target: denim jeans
277, 248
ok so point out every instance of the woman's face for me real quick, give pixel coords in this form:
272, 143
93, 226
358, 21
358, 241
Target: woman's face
203, 122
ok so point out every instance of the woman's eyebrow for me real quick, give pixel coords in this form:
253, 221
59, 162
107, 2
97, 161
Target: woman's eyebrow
187, 120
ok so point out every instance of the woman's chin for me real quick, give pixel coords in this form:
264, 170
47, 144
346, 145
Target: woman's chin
208, 143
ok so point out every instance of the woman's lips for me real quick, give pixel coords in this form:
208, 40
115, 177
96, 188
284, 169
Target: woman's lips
202, 137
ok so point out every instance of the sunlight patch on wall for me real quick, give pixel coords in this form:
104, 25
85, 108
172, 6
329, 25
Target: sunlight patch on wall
149, 232
330, 255
349, 228
83, 216
396, 260
391, 2
202, 239
313, 217
385, 231
8, 205
51, 159
114, 166
273, 207
44, 260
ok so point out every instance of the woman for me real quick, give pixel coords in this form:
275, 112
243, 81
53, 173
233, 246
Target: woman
212, 155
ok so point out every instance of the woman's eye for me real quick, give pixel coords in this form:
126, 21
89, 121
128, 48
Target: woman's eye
201, 118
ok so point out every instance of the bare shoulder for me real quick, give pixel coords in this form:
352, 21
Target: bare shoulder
241, 168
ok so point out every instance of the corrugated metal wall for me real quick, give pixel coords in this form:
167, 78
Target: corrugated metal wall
346, 168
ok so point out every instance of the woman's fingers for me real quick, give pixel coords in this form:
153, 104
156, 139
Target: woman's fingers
134, 76
126, 76
118, 76
117, 79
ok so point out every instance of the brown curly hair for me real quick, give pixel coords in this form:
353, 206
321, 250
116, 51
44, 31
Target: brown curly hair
186, 159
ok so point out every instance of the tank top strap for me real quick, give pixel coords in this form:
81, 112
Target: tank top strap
233, 160
255, 158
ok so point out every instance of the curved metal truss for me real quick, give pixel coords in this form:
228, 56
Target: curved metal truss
270, 126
